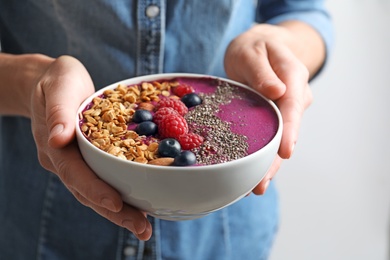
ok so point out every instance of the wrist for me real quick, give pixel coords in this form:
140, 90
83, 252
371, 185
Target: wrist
19, 75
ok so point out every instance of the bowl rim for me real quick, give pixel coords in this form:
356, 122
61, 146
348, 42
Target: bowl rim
159, 76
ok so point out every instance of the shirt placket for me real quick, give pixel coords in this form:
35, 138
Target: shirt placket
134, 249
150, 51
151, 27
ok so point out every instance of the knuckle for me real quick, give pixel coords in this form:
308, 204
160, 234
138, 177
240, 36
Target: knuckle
260, 49
45, 161
309, 97
295, 105
64, 172
80, 198
54, 114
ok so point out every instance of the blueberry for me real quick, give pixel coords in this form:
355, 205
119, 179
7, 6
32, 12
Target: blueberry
146, 128
142, 115
191, 100
169, 147
185, 158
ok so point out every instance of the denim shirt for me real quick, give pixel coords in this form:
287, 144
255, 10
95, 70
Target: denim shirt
39, 218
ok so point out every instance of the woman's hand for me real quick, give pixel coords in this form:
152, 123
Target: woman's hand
54, 103
271, 59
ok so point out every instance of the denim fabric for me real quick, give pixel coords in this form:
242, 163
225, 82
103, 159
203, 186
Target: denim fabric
39, 218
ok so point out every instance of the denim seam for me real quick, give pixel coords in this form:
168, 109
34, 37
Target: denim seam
226, 231
162, 36
120, 246
157, 235
46, 214
141, 249
265, 254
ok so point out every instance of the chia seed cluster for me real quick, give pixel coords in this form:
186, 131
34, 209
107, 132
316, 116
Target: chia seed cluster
220, 144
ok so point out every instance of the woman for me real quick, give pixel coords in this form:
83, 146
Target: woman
47, 191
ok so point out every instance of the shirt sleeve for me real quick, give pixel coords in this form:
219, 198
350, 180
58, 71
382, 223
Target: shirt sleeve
311, 12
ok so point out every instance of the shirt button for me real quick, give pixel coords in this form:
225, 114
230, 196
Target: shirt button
152, 11
129, 251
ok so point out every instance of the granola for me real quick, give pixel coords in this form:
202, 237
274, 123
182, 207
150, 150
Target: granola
105, 121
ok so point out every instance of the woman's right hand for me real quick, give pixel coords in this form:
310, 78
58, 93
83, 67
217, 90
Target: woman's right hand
55, 98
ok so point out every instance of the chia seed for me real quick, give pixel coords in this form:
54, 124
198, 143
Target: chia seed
220, 144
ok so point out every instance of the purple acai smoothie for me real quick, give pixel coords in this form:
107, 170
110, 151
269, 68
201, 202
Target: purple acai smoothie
234, 121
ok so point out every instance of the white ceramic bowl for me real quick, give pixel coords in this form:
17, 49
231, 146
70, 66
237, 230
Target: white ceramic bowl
178, 193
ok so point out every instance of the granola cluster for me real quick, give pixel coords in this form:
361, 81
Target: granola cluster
105, 121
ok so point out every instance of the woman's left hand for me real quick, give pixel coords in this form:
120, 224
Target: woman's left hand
263, 59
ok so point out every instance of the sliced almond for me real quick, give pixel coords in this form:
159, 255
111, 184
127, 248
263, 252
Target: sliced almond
164, 161
146, 106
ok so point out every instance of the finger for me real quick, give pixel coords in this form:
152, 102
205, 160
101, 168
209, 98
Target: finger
308, 95
297, 97
260, 74
130, 218
63, 95
292, 109
77, 176
261, 188
292, 113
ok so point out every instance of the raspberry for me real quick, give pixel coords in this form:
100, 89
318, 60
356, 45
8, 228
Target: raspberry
183, 89
190, 141
173, 103
163, 112
172, 126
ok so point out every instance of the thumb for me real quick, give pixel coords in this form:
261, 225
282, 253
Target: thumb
65, 85
260, 73
250, 65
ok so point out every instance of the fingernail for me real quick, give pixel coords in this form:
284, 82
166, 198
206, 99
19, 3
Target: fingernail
56, 130
137, 230
140, 229
108, 204
142, 234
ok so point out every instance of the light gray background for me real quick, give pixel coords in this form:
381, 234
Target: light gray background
335, 191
